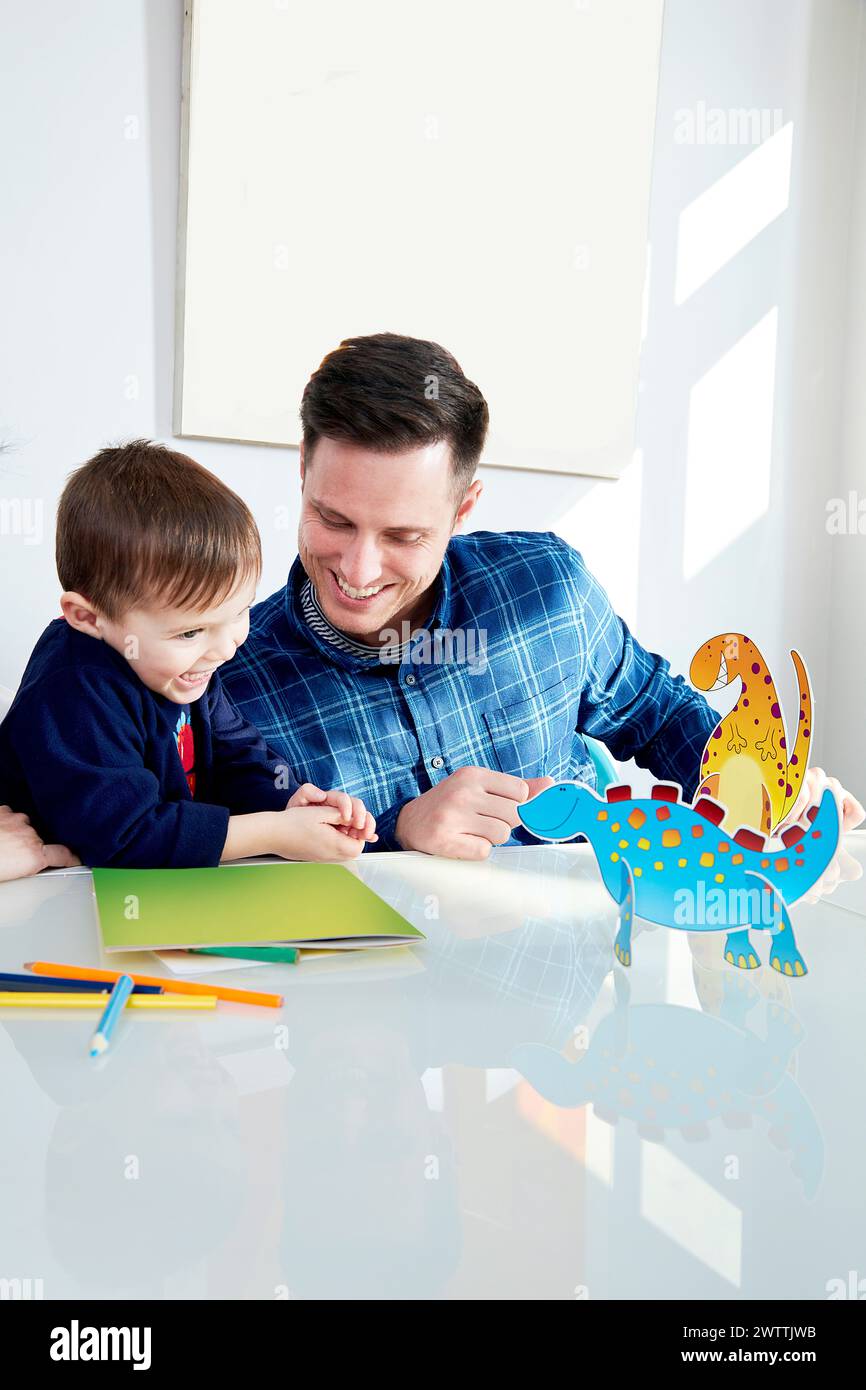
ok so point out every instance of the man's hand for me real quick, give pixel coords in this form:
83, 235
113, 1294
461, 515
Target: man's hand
22, 852
356, 820
812, 790
468, 813
842, 867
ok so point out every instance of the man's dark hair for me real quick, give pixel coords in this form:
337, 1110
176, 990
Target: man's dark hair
391, 393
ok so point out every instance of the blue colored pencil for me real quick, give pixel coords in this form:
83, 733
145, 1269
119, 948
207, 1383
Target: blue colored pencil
11, 982
113, 1009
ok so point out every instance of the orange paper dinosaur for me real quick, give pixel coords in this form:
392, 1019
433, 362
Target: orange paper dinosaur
745, 764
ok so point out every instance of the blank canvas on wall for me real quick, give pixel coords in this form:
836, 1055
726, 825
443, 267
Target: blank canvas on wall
476, 172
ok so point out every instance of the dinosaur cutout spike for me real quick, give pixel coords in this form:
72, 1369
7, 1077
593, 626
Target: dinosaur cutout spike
618, 793
711, 810
665, 791
792, 835
749, 839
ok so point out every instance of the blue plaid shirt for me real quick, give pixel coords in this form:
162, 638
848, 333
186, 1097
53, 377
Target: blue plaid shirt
522, 657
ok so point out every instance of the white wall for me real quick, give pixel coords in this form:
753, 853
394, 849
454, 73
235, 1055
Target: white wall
846, 626
90, 95
774, 582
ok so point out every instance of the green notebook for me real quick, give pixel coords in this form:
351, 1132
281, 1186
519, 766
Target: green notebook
243, 905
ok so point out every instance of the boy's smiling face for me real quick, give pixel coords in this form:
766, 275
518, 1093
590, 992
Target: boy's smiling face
173, 651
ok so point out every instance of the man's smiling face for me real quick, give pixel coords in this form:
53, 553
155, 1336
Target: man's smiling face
374, 528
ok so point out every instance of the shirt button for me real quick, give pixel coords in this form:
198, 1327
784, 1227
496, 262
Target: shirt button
437, 762
410, 680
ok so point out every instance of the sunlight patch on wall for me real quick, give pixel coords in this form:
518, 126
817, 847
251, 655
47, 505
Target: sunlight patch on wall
732, 212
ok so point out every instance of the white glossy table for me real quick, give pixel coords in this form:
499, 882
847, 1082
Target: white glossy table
499, 1113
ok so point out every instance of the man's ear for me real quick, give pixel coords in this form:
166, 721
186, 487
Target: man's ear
301, 455
80, 614
467, 506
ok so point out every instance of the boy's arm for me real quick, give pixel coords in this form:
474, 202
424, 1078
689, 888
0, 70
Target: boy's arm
80, 745
631, 701
247, 775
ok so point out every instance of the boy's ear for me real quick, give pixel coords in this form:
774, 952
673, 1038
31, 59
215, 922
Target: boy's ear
81, 614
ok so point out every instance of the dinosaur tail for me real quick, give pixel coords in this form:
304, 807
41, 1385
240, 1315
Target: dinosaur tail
807, 849
799, 762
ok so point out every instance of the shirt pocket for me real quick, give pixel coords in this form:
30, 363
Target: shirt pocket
535, 737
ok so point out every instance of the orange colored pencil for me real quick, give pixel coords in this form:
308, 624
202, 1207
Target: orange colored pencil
88, 972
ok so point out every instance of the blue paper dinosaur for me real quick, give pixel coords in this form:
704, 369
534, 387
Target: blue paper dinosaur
669, 862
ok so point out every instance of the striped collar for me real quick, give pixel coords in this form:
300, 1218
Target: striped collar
315, 619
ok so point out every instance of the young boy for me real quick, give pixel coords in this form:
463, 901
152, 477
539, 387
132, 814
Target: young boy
120, 742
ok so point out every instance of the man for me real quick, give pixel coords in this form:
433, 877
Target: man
443, 678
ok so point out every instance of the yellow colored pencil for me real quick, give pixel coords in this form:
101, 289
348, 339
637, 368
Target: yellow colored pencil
62, 999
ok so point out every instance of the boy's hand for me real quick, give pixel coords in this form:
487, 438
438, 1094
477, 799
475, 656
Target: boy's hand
22, 852
312, 833
355, 819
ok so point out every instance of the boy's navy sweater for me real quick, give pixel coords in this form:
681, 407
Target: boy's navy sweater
90, 755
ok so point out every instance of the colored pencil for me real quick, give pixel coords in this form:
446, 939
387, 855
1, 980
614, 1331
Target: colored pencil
79, 972
64, 999
10, 982
276, 955
117, 1001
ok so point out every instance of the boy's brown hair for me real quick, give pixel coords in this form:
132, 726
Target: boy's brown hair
139, 523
